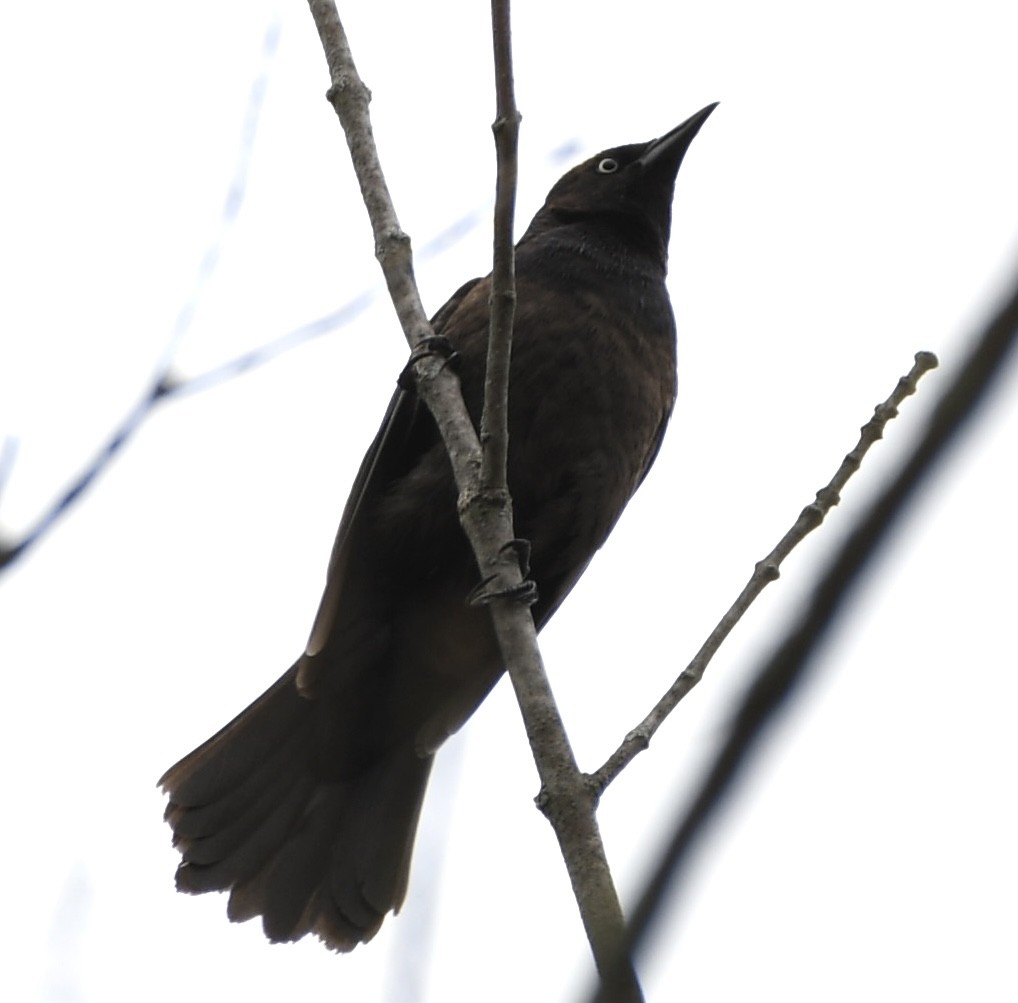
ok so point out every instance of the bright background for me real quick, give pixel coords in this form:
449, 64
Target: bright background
853, 199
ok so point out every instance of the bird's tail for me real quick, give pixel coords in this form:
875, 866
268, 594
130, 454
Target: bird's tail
252, 813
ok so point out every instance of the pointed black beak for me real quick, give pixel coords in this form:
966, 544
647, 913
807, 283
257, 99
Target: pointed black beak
669, 149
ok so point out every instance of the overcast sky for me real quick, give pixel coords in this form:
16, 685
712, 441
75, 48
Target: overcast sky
852, 200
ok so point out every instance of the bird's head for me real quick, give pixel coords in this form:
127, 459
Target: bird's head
628, 188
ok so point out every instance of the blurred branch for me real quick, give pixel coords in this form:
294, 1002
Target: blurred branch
236, 193
789, 665
163, 382
485, 516
167, 381
765, 572
8, 454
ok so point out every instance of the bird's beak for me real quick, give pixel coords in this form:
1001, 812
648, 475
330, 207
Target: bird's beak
670, 148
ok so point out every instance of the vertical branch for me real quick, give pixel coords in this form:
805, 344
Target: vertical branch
567, 800
485, 513
506, 127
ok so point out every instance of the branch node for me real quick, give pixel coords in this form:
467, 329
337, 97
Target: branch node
345, 85
504, 122
392, 242
827, 497
811, 516
542, 801
485, 500
885, 411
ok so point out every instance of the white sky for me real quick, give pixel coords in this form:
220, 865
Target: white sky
851, 201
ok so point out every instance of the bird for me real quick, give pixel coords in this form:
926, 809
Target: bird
305, 806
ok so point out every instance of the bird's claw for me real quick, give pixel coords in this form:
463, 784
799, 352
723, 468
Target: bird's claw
482, 595
525, 592
433, 344
521, 548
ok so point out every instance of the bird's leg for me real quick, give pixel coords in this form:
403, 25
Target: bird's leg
433, 344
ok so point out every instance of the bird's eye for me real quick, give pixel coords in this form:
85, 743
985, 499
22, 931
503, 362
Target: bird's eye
607, 166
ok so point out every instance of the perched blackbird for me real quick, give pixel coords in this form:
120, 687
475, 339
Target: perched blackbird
306, 804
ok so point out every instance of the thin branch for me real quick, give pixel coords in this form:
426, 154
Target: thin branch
437, 385
791, 662
566, 799
236, 192
169, 383
245, 362
162, 382
11, 551
765, 572
506, 127
487, 522
177, 385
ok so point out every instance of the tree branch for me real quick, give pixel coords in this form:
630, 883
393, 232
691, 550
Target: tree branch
163, 381
506, 127
486, 518
765, 572
791, 662
168, 382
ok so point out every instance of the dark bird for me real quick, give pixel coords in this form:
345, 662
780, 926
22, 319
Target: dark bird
305, 805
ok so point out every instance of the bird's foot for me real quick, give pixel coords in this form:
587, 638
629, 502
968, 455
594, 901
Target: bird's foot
525, 592
433, 344
482, 595
521, 548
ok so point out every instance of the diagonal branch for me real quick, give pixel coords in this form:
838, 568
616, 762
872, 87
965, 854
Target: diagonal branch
791, 662
163, 381
486, 520
168, 381
765, 572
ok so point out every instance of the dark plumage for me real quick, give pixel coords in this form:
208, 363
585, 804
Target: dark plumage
306, 804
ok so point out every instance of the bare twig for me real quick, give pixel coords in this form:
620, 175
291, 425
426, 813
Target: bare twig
169, 382
506, 127
10, 551
437, 385
566, 798
236, 193
765, 572
163, 381
486, 520
791, 661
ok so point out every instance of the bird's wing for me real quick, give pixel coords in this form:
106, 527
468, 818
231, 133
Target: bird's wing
655, 448
555, 590
375, 469
392, 452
